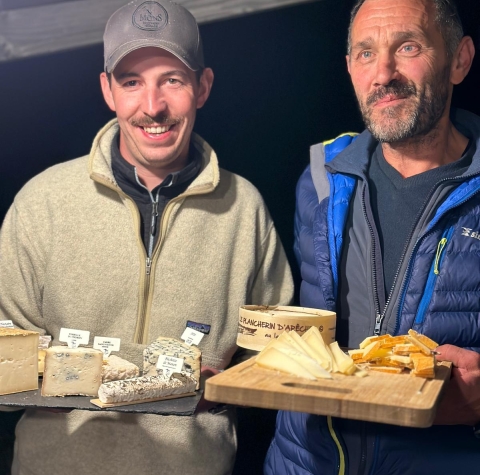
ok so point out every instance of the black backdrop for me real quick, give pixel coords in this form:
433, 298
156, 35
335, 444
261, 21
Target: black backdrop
280, 85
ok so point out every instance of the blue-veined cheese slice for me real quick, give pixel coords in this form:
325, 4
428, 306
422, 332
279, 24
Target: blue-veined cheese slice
72, 371
146, 387
191, 355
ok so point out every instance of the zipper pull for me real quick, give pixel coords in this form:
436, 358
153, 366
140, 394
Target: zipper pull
440, 247
153, 228
149, 265
378, 324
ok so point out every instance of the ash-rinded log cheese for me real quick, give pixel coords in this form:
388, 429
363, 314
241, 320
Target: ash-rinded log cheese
72, 371
18, 360
115, 368
172, 347
146, 387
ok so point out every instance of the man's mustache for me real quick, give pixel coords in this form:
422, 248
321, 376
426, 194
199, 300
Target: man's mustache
160, 120
395, 88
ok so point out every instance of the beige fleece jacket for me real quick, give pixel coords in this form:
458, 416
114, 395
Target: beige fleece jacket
71, 256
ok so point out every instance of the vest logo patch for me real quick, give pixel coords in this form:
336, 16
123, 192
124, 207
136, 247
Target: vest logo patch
468, 232
150, 16
200, 327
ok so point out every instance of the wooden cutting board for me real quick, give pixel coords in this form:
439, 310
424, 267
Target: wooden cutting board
399, 399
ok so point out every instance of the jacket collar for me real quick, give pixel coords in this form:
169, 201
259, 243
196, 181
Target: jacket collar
355, 158
100, 161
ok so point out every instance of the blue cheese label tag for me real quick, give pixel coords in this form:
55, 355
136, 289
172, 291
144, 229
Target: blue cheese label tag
170, 364
192, 337
6, 324
106, 344
74, 338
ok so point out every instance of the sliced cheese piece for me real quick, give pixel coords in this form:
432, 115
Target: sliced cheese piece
344, 363
146, 387
356, 354
18, 360
41, 361
44, 342
371, 339
72, 371
271, 358
386, 369
424, 339
302, 359
287, 338
115, 368
314, 340
307, 349
191, 355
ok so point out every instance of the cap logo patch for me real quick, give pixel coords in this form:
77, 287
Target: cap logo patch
150, 16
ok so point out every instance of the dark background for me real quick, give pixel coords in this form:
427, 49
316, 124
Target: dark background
281, 85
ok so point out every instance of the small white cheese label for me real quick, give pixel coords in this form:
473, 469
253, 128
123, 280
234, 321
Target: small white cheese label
106, 344
170, 364
74, 338
6, 324
192, 337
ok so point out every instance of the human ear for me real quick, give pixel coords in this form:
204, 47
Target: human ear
462, 60
107, 91
205, 86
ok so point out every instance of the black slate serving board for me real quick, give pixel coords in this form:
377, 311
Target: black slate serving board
184, 406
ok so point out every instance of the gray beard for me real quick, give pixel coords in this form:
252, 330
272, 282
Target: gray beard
419, 121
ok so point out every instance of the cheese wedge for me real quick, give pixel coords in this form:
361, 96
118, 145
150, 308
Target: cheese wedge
191, 355
18, 360
115, 368
72, 371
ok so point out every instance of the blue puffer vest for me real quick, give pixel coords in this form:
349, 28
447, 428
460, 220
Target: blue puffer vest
439, 295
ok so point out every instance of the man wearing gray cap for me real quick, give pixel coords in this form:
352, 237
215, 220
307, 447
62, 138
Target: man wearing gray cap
142, 238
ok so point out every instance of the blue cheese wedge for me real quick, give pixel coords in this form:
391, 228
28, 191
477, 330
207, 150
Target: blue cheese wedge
72, 371
115, 368
18, 360
146, 387
191, 355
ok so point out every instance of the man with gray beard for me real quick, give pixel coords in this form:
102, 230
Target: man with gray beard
388, 235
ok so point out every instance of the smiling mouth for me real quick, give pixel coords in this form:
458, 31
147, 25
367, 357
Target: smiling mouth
157, 129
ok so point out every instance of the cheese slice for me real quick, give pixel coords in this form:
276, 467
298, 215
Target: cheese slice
344, 363
72, 371
191, 355
44, 342
271, 358
302, 359
314, 339
115, 368
18, 360
146, 387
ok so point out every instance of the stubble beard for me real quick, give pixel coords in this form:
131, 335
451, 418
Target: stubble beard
404, 122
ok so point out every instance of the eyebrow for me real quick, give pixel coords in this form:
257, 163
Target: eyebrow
397, 36
133, 74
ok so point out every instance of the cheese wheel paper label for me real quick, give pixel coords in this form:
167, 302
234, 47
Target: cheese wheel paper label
170, 364
106, 344
73, 338
192, 337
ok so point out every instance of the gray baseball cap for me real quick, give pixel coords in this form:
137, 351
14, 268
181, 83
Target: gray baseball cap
163, 24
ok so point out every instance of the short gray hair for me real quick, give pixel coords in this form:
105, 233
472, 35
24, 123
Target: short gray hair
447, 19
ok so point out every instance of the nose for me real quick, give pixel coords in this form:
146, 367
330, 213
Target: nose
386, 69
154, 101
